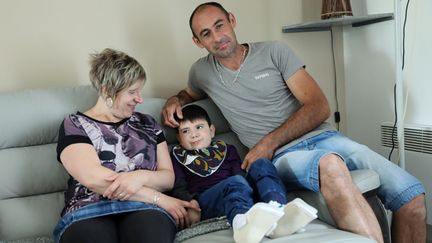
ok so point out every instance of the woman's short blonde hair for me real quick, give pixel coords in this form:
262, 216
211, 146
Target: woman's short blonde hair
115, 71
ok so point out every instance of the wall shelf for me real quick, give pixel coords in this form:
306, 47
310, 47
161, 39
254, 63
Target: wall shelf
327, 24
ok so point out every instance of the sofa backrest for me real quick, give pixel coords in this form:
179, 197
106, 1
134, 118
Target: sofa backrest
32, 182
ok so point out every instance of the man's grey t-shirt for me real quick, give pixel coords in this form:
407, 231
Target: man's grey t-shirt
258, 101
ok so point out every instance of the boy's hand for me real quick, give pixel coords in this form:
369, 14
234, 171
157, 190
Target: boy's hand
193, 215
178, 209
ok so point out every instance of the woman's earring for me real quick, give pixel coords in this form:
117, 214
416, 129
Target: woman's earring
109, 102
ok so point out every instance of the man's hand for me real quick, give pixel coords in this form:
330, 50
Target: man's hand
174, 106
263, 149
171, 107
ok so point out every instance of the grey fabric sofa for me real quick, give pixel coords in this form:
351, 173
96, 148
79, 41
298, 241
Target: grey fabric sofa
32, 182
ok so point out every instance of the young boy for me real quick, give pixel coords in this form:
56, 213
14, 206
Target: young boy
209, 172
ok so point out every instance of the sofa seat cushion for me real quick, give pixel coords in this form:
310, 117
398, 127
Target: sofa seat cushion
316, 231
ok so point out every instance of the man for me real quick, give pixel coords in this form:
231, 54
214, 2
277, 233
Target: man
279, 112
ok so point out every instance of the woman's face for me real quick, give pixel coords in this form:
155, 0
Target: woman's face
126, 100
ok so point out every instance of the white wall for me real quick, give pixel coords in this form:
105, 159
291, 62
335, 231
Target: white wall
314, 48
418, 63
370, 76
46, 43
418, 85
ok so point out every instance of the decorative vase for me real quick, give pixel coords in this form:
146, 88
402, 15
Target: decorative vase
335, 9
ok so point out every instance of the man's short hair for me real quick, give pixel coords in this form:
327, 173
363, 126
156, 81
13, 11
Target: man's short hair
204, 5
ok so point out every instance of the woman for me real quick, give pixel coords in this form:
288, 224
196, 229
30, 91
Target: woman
118, 162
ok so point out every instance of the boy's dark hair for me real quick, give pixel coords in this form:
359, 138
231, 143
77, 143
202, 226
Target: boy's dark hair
203, 5
192, 113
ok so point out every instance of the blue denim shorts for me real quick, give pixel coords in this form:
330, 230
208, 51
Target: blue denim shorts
101, 208
298, 167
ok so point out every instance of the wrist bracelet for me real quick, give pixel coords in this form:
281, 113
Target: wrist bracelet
156, 198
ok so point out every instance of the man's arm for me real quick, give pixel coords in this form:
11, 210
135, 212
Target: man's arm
174, 105
314, 111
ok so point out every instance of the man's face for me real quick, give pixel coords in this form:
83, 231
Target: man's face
215, 31
195, 134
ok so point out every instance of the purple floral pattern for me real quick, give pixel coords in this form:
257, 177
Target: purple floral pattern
124, 146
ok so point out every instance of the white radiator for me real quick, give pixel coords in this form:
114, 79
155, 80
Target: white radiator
418, 154
418, 138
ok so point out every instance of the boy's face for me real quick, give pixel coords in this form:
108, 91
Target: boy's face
195, 134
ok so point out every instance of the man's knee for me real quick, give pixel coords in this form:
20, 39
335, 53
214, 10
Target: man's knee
333, 172
414, 209
332, 165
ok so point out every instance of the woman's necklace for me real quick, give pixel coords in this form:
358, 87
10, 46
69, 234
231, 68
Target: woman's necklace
237, 73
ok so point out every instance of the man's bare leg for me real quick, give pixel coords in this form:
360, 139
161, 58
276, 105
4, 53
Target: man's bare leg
409, 222
346, 204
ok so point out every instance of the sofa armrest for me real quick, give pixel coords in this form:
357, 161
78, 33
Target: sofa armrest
365, 180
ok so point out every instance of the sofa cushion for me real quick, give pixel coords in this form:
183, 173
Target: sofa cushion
31, 180
28, 217
26, 173
32, 117
317, 231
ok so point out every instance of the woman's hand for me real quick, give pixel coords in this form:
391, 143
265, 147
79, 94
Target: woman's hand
123, 185
178, 209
